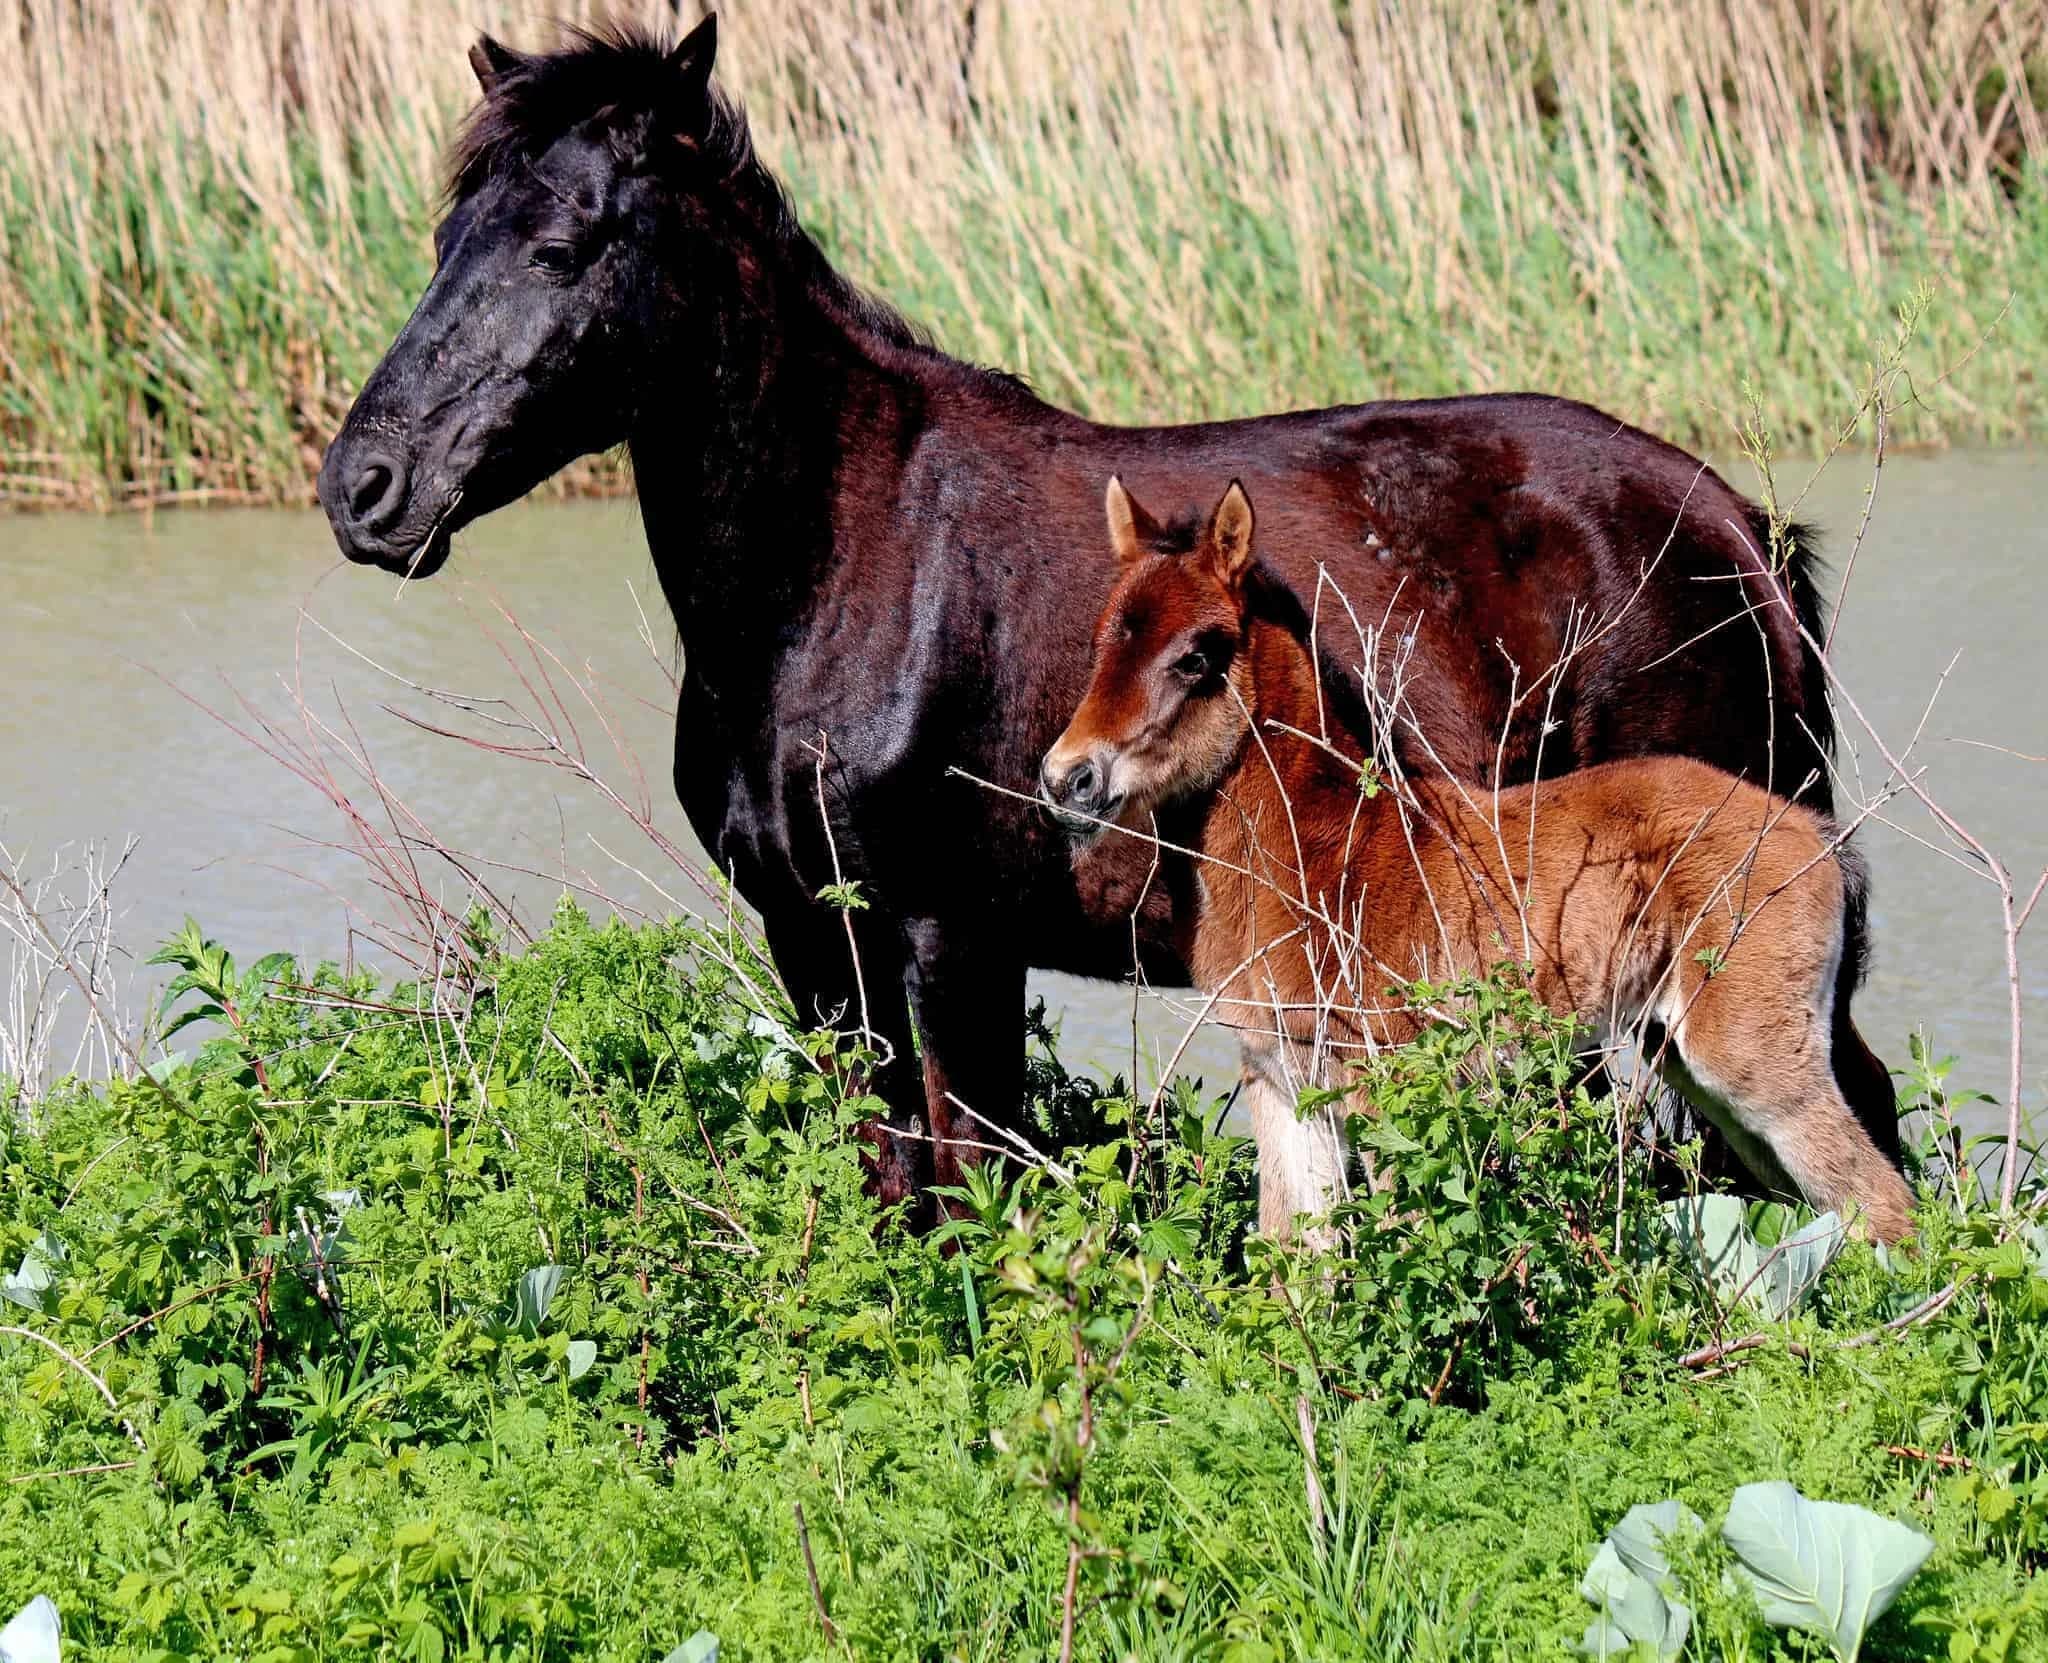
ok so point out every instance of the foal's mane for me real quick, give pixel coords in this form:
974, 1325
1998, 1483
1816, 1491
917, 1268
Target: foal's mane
622, 74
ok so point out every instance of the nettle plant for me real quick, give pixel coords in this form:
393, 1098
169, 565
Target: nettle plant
1497, 1181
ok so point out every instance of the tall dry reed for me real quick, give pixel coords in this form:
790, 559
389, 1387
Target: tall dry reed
212, 217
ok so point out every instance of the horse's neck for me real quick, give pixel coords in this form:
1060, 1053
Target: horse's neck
738, 470
788, 394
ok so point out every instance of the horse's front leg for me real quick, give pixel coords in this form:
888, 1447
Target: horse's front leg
967, 989
841, 984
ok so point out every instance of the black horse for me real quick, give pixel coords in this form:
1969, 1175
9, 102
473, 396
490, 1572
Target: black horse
873, 547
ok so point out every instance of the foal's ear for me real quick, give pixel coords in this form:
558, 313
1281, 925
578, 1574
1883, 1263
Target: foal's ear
1130, 527
493, 62
692, 58
1230, 534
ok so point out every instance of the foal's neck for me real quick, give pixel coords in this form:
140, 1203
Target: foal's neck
1296, 776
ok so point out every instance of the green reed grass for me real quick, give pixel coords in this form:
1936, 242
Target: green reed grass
212, 219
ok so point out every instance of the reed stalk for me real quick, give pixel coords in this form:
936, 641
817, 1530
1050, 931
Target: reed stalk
212, 218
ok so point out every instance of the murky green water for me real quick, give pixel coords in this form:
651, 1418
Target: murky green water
126, 641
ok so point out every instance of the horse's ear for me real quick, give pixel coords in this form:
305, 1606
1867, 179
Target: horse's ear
1229, 541
692, 59
1130, 527
493, 62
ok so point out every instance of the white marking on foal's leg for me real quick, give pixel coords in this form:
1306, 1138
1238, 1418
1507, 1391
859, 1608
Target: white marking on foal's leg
1301, 1160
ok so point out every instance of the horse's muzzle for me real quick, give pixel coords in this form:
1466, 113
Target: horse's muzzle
370, 494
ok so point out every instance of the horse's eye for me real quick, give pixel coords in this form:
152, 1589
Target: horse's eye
556, 259
1193, 666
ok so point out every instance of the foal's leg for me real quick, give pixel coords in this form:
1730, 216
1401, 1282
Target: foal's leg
1301, 1159
1764, 1072
1866, 1084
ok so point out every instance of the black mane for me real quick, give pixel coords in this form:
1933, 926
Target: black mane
623, 75
618, 71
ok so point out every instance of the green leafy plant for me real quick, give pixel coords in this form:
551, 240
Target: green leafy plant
575, 1290
1630, 1585
1495, 1180
1824, 1565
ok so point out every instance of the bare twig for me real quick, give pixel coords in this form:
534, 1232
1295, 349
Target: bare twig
99, 1385
803, 1537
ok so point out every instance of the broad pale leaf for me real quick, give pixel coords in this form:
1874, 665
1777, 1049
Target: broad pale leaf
1641, 1535
34, 1636
30, 1285
1630, 1582
1713, 1233
1821, 1565
532, 1295
1792, 1270
701, 1647
580, 1356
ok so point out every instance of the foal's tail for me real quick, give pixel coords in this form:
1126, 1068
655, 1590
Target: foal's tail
1864, 1080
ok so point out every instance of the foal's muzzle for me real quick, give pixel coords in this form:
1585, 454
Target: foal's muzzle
1079, 790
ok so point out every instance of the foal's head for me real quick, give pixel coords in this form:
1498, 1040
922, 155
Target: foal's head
1169, 696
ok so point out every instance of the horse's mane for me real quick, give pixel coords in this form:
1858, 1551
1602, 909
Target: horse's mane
622, 74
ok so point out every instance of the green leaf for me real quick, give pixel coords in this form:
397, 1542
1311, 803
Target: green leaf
186, 947
184, 1019
701, 1647
163, 1068
262, 973
34, 1634
579, 1357
1382, 1135
1821, 1565
1630, 1583
973, 1307
532, 1295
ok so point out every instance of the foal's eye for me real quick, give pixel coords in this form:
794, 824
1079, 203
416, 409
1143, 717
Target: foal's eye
556, 259
1192, 666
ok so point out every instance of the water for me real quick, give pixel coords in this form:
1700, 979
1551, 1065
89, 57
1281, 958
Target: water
128, 640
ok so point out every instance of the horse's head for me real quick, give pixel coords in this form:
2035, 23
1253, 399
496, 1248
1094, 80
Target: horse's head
1169, 694
572, 184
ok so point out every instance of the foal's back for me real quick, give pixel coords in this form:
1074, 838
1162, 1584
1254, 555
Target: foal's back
1616, 877
1665, 898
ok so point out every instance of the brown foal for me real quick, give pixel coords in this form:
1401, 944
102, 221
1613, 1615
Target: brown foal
1657, 896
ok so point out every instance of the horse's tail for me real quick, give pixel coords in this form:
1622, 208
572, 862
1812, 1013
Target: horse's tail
1863, 1079
1806, 725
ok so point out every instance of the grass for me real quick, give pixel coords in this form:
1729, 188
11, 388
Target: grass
211, 225
330, 1427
